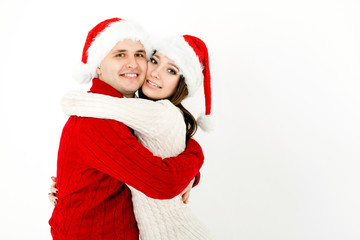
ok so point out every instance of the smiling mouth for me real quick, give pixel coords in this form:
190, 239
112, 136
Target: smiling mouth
130, 75
153, 84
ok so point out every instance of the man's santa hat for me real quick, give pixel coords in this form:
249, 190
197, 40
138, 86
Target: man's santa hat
101, 39
190, 54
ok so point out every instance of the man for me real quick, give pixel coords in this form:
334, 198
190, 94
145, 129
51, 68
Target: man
96, 156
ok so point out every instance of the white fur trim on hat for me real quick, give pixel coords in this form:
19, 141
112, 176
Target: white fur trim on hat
105, 41
183, 55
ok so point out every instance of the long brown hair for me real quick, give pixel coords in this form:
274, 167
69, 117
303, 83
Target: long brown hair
176, 98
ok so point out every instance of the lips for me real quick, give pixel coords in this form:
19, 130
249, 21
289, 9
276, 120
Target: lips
153, 84
129, 75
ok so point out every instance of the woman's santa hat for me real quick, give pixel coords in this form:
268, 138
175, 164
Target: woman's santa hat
101, 39
190, 54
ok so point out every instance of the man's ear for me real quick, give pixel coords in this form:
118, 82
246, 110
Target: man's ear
98, 71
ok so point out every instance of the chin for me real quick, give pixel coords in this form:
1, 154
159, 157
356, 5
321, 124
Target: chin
150, 93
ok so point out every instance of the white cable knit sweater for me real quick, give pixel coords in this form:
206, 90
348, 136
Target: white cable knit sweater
160, 127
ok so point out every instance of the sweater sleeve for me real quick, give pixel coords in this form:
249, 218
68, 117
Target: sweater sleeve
136, 113
109, 146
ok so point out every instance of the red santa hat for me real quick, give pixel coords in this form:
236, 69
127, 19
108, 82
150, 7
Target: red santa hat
190, 54
101, 39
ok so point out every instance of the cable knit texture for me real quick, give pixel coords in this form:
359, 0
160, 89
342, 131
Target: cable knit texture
96, 157
160, 127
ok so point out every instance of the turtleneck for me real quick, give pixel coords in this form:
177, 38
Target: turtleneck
101, 87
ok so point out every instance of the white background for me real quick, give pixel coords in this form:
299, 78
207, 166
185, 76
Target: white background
283, 162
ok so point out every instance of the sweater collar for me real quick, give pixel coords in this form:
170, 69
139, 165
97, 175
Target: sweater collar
99, 86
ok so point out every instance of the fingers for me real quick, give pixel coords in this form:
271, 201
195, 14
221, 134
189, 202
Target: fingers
185, 197
53, 198
184, 191
53, 189
186, 194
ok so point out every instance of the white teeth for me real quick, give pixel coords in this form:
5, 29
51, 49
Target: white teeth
153, 84
130, 74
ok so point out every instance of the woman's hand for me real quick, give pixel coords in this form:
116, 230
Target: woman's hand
186, 193
53, 192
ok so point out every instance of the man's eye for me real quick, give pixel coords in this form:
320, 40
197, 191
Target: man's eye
139, 55
120, 55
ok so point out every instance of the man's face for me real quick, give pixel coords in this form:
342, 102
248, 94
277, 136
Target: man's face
124, 68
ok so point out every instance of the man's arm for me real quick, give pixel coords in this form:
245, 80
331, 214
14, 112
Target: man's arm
110, 147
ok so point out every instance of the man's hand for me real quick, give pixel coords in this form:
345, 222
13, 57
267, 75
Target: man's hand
186, 193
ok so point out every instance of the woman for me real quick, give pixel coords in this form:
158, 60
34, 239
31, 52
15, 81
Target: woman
175, 71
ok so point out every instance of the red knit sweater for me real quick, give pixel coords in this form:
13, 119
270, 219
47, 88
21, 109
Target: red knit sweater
96, 157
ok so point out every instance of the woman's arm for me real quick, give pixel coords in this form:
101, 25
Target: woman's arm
147, 117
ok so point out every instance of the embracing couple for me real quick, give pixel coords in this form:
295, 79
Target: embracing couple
126, 164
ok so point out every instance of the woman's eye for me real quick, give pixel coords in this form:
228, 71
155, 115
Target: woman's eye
153, 61
171, 71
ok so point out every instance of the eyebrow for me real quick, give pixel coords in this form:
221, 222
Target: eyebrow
120, 50
174, 66
125, 50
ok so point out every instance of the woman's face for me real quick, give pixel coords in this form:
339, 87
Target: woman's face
162, 77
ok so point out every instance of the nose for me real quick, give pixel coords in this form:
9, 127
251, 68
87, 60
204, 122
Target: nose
155, 73
131, 63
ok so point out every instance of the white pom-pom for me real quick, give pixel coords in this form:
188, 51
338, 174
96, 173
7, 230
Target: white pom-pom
206, 122
81, 73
